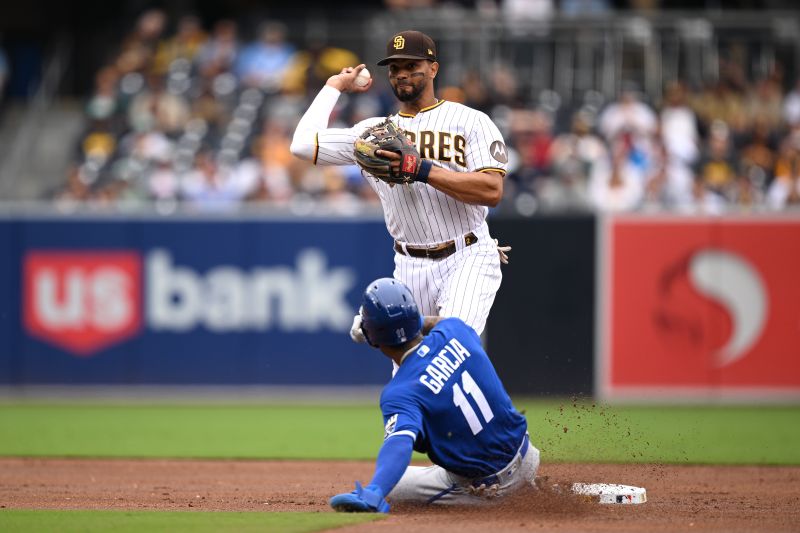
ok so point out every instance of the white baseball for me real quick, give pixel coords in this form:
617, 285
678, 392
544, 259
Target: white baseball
363, 78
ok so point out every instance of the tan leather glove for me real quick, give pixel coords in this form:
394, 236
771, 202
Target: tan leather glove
484, 491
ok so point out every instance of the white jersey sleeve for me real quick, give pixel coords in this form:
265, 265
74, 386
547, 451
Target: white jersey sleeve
486, 150
314, 141
335, 145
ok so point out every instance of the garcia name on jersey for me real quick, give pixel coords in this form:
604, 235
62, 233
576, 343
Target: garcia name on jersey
443, 365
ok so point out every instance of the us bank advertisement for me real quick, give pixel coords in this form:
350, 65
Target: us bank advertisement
187, 301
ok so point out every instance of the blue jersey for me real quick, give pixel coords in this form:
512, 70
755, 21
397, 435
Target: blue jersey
447, 397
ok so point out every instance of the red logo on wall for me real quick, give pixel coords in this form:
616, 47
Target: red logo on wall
702, 306
82, 301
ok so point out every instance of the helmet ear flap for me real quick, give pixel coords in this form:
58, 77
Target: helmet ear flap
366, 335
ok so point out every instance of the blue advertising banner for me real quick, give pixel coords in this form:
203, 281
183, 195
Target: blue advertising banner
184, 301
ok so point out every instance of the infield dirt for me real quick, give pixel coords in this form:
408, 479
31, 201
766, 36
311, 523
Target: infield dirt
680, 498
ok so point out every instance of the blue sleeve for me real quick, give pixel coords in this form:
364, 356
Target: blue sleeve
401, 414
392, 462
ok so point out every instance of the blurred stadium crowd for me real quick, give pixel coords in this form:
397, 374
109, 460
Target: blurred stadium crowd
198, 117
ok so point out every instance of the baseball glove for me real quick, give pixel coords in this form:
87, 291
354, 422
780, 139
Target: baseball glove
386, 136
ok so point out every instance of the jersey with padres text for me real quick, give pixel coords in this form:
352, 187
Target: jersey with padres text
452, 136
446, 396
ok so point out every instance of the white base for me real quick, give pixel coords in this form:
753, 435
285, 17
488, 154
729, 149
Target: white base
611, 493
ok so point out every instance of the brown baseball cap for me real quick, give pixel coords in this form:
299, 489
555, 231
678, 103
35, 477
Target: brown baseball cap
409, 44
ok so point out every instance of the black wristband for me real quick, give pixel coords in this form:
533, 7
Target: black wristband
424, 169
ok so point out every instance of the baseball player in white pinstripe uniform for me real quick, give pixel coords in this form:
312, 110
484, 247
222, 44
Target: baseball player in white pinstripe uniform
444, 252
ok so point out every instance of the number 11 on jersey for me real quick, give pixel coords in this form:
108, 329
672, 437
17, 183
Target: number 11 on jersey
460, 400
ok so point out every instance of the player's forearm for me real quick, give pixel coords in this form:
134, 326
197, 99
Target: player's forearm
304, 141
429, 322
477, 188
392, 462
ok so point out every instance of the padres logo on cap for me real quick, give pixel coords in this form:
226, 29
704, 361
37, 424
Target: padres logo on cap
409, 44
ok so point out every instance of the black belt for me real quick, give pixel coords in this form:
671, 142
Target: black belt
439, 251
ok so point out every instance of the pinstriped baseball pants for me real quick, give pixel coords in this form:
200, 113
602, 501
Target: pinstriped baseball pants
462, 285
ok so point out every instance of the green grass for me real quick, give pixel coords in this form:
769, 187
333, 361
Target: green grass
230, 431
713, 435
172, 521
723, 435
679, 434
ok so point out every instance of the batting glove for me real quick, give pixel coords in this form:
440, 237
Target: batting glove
502, 251
355, 330
367, 499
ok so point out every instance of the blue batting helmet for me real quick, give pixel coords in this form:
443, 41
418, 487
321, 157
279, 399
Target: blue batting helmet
389, 314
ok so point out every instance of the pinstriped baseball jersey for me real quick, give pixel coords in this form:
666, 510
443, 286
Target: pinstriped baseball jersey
449, 134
